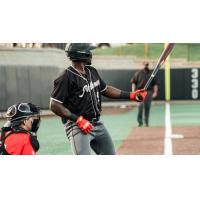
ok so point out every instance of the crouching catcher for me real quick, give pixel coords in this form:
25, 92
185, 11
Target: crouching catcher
19, 133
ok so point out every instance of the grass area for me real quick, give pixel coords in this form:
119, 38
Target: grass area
185, 115
52, 136
53, 140
190, 52
120, 126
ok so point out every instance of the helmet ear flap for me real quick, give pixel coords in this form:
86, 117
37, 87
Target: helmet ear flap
36, 122
34, 109
35, 125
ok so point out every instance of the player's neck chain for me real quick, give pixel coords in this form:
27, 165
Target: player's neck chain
83, 75
80, 71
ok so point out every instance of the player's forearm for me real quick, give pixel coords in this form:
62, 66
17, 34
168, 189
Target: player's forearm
114, 93
61, 111
155, 89
133, 87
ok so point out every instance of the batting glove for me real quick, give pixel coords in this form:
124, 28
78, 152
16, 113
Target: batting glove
84, 125
138, 95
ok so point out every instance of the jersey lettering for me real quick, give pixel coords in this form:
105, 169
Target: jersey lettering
88, 88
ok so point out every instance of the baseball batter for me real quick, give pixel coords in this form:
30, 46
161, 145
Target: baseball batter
76, 98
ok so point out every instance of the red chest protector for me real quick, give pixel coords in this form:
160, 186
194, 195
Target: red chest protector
18, 143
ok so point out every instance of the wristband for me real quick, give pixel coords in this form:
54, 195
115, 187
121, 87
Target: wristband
73, 117
124, 95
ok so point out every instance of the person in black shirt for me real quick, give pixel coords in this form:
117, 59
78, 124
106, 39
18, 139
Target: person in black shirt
76, 98
139, 80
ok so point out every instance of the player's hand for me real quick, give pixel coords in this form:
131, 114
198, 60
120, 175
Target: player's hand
84, 125
154, 95
138, 95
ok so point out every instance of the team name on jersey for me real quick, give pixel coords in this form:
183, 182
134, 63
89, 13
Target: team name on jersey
88, 88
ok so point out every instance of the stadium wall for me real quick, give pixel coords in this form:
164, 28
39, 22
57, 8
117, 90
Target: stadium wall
185, 82
27, 75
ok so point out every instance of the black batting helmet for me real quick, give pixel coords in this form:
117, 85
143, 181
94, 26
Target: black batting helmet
80, 52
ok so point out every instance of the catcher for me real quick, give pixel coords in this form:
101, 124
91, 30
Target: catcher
76, 98
18, 135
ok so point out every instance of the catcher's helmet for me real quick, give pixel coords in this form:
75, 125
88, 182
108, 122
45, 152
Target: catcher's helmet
18, 112
80, 52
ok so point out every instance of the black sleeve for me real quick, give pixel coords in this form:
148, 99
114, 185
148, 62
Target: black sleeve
134, 79
155, 81
61, 87
103, 85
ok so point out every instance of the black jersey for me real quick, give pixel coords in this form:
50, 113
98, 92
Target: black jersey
140, 79
80, 93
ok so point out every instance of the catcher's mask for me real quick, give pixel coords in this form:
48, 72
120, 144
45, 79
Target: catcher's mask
80, 52
17, 113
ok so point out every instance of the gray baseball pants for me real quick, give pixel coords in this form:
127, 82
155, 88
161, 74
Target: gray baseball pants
98, 140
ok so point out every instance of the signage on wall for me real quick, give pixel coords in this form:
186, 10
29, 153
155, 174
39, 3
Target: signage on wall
195, 83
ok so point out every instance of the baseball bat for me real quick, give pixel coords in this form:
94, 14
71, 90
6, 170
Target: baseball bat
161, 60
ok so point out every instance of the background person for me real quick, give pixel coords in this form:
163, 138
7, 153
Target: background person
138, 81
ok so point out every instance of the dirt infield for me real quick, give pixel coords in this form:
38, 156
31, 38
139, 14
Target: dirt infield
190, 144
143, 141
150, 141
116, 110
